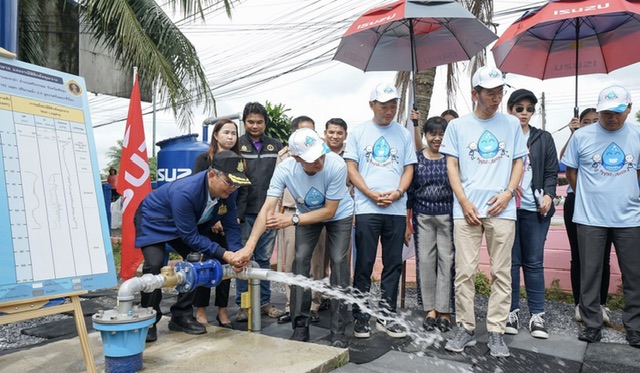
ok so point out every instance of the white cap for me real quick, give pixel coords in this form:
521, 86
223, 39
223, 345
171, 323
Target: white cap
487, 77
384, 92
613, 98
306, 144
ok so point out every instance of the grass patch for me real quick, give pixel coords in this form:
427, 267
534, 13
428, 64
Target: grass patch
117, 249
553, 293
483, 284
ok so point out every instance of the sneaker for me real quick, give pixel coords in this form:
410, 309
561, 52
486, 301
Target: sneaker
578, 315
361, 328
339, 340
242, 315
314, 316
513, 322
497, 346
633, 337
300, 333
271, 311
537, 326
590, 335
606, 314
392, 328
463, 338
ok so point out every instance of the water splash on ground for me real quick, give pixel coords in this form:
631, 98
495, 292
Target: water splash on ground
369, 303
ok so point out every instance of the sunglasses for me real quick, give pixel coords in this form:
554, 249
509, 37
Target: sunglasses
520, 109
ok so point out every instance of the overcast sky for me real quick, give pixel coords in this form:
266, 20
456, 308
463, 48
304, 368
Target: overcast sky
260, 32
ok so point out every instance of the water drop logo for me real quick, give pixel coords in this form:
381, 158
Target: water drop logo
611, 96
487, 145
309, 141
381, 150
314, 199
613, 158
388, 89
494, 73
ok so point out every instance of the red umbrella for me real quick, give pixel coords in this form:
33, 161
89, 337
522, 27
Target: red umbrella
571, 37
412, 36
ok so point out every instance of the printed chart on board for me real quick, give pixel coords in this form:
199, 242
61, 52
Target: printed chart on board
54, 237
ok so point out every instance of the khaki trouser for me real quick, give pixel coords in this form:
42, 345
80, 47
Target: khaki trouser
499, 235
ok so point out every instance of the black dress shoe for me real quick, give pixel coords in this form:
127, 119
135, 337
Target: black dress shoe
429, 323
300, 333
633, 337
227, 325
590, 335
325, 304
187, 324
285, 318
152, 334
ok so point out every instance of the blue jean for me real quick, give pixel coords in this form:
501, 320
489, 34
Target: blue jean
528, 254
261, 255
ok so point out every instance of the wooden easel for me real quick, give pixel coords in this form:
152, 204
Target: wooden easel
32, 308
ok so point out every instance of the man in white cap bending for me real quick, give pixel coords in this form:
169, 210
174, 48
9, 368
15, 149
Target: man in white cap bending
317, 181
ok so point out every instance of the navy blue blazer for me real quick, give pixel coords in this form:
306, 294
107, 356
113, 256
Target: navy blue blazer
173, 210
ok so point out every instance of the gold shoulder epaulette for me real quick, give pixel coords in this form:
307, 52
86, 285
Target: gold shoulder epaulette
283, 151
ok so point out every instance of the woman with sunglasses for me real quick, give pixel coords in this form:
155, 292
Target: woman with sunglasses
534, 201
223, 137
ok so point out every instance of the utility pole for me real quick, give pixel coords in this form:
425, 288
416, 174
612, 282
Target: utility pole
543, 111
153, 136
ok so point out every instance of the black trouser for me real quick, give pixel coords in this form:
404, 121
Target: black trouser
591, 244
389, 230
154, 260
572, 234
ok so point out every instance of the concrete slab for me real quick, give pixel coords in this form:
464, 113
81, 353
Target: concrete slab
221, 350
611, 357
395, 361
561, 346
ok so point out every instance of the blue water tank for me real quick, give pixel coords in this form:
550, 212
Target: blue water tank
176, 157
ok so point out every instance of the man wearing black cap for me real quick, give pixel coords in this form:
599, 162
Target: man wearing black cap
178, 214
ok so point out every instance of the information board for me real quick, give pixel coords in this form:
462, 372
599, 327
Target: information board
54, 236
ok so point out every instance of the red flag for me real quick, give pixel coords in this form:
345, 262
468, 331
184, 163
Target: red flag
134, 182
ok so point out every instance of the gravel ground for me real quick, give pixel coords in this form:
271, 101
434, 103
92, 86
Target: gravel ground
559, 317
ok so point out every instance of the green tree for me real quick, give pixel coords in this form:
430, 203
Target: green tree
114, 155
279, 122
138, 33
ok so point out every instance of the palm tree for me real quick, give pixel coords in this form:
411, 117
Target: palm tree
138, 33
114, 154
481, 9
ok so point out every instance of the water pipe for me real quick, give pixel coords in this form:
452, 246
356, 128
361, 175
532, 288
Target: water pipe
124, 329
212, 120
